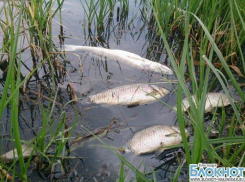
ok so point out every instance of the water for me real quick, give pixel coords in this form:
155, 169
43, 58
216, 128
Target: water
130, 33
100, 74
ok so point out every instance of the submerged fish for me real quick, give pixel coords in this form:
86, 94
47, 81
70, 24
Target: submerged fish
9, 156
129, 95
213, 100
154, 139
125, 57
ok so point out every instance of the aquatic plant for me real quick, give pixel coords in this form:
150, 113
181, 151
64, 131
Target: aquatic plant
208, 50
100, 12
33, 18
12, 83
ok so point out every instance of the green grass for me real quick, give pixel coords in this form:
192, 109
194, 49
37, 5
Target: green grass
100, 12
209, 52
37, 17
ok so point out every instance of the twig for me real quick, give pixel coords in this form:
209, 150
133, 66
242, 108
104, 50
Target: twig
72, 93
99, 131
108, 129
44, 97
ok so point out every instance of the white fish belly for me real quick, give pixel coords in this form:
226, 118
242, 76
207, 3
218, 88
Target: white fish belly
125, 57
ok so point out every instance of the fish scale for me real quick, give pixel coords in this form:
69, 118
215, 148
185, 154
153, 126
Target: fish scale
129, 95
213, 100
154, 138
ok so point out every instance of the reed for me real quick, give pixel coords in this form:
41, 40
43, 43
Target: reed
213, 36
99, 13
207, 40
21, 19
13, 77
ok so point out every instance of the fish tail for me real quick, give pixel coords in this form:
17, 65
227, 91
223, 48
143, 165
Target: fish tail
68, 48
85, 101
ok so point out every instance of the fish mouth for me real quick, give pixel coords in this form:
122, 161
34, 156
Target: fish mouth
166, 70
157, 67
176, 129
162, 91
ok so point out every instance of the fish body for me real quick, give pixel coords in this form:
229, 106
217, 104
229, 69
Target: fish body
213, 100
129, 95
154, 138
124, 57
9, 156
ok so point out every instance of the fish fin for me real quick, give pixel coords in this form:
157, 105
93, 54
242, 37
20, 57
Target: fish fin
150, 93
166, 153
147, 94
154, 92
136, 57
128, 54
159, 151
134, 104
172, 134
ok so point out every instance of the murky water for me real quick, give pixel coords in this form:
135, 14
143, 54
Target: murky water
130, 33
99, 75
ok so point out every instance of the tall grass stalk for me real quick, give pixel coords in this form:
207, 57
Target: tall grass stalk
13, 79
221, 58
40, 35
200, 82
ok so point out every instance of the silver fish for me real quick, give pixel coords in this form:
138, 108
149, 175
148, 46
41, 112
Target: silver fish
213, 100
125, 57
154, 138
129, 95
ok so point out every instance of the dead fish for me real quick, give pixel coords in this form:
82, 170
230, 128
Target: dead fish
125, 57
213, 100
154, 138
9, 156
129, 95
